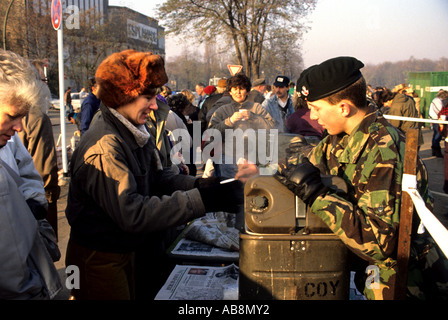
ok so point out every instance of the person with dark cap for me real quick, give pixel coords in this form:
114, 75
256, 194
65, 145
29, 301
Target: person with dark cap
256, 94
367, 152
280, 105
119, 191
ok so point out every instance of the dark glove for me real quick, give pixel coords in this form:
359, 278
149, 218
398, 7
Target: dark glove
220, 197
304, 180
207, 182
37, 209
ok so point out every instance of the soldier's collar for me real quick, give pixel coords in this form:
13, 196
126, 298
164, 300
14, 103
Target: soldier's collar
353, 144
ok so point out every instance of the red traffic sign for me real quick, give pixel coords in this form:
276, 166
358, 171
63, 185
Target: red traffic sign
234, 69
56, 14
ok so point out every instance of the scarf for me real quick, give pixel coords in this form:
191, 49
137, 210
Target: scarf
140, 133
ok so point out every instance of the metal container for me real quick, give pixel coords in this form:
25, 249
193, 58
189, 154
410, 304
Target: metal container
287, 252
299, 267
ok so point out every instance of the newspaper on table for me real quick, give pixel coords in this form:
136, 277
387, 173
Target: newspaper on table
201, 283
210, 237
216, 229
195, 249
213, 283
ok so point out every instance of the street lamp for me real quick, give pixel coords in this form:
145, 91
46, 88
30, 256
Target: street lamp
4, 24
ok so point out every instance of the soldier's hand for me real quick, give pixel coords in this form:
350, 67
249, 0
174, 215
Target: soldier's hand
304, 180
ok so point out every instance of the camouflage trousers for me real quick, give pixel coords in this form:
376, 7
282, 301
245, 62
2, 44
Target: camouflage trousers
428, 271
427, 274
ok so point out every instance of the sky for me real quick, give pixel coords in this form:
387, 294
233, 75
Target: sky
374, 31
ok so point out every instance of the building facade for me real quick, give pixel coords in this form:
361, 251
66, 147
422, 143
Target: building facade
141, 32
92, 30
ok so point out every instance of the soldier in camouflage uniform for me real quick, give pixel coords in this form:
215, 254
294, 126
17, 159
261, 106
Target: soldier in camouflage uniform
368, 153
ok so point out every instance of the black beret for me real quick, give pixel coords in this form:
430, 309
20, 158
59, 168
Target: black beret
322, 80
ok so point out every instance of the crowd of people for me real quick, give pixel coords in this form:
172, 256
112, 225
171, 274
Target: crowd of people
127, 197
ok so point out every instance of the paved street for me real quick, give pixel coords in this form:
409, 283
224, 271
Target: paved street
434, 165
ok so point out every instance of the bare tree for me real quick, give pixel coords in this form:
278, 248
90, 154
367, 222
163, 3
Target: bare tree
186, 69
93, 40
85, 47
247, 23
282, 56
28, 32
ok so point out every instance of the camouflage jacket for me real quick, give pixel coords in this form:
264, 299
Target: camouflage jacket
370, 160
